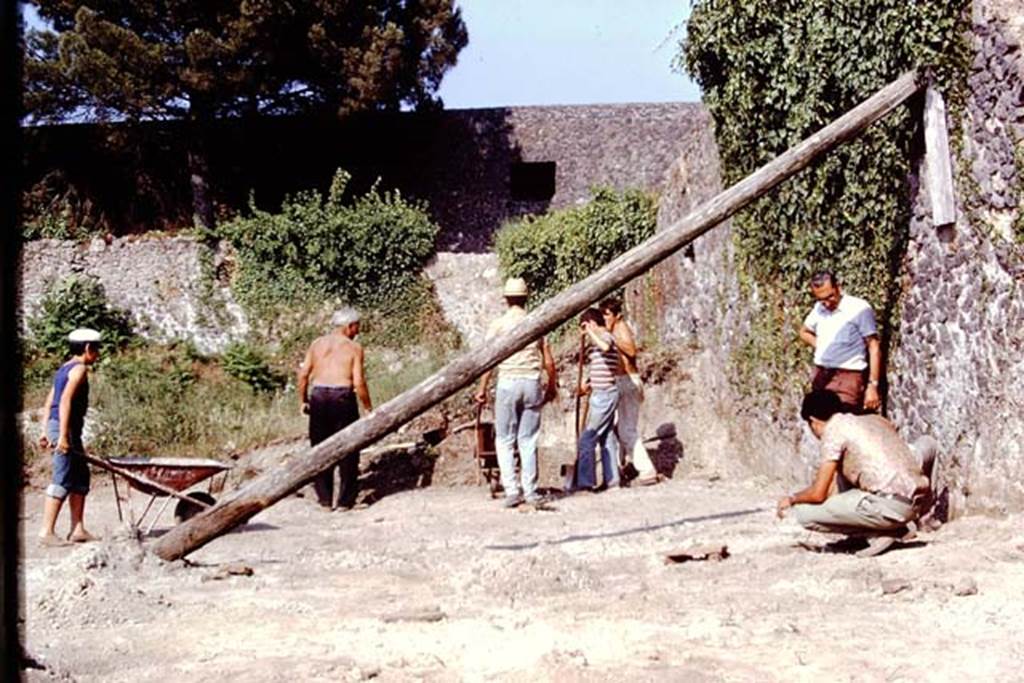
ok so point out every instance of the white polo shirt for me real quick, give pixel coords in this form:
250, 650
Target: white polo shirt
840, 333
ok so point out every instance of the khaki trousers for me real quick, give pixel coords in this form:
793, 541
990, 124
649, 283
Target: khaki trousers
854, 511
627, 426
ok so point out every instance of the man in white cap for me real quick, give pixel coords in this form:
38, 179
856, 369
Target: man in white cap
63, 419
334, 365
518, 400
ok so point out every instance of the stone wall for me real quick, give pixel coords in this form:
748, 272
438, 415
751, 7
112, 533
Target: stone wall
168, 286
958, 371
463, 163
468, 289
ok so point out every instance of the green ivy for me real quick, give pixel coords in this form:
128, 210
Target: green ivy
772, 73
559, 248
367, 251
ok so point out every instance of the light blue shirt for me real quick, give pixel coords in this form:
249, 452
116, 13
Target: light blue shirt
841, 333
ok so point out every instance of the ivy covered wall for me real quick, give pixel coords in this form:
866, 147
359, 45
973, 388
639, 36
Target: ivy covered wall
773, 73
949, 297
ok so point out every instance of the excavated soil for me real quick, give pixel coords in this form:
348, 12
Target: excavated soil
441, 584
429, 579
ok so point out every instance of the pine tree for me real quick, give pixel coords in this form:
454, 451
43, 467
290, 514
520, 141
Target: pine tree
201, 60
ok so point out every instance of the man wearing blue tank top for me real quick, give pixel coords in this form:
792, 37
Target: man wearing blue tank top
63, 420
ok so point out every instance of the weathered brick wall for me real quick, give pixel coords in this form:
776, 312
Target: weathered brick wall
460, 161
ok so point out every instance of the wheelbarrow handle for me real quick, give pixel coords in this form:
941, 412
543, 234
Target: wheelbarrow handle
103, 464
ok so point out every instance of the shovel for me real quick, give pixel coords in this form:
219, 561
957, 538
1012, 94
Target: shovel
569, 472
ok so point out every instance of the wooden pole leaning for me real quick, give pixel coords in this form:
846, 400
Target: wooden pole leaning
267, 489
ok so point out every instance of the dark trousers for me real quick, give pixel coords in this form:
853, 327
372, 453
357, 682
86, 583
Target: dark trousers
848, 385
331, 409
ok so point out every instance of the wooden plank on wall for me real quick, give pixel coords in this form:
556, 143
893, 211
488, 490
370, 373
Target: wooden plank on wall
938, 159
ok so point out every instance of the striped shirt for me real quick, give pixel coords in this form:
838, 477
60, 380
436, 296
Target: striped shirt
604, 365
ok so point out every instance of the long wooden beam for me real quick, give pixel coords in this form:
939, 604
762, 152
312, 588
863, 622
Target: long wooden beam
269, 488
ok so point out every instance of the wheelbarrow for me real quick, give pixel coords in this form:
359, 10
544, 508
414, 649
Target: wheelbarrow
162, 478
485, 453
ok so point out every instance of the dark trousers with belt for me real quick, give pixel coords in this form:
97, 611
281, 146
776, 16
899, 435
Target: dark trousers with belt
331, 409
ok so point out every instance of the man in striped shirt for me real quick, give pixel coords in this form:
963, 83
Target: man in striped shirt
603, 358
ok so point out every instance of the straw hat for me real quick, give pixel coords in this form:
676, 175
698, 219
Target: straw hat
515, 286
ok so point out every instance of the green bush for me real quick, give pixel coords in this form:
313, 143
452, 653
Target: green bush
367, 252
77, 302
50, 225
247, 364
557, 249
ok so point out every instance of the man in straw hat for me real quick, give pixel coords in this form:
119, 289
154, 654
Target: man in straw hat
518, 400
63, 420
334, 365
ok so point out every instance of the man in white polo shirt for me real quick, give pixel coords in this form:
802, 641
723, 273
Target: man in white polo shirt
842, 331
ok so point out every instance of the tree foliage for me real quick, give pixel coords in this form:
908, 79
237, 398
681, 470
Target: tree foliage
146, 59
200, 61
773, 73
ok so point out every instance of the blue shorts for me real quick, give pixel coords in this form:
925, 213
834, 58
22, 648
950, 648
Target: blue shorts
70, 470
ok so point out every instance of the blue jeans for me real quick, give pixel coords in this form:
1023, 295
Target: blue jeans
517, 405
599, 432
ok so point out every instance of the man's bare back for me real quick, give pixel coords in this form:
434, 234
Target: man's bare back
335, 359
331, 358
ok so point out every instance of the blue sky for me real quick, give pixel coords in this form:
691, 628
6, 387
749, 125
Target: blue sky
524, 52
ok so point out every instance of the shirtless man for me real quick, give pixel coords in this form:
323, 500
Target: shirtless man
334, 365
631, 394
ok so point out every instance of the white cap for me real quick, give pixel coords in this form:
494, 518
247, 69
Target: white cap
84, 334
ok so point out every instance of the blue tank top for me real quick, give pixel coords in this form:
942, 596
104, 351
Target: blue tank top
79, 402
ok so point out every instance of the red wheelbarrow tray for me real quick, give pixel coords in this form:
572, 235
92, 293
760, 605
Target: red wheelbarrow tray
174, 473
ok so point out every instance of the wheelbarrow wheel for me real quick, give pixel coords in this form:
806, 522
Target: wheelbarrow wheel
186, 510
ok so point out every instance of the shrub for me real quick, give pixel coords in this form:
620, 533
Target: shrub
557, 249
247, 364
77, 302
367, 252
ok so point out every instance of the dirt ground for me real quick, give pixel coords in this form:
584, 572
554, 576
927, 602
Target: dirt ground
441, 584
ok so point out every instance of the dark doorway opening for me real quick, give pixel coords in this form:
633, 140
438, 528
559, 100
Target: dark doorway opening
533, 181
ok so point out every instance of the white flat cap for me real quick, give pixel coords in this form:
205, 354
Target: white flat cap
84, 334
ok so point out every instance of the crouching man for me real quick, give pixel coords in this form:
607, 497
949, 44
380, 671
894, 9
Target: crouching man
870, 483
